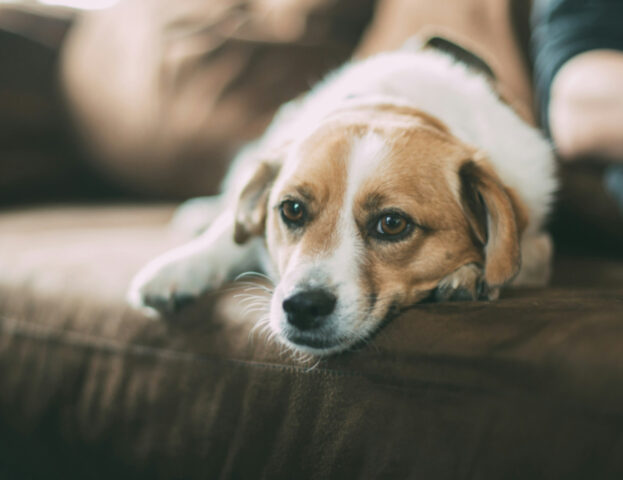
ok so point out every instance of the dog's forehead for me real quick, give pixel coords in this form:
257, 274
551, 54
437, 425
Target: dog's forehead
386, 154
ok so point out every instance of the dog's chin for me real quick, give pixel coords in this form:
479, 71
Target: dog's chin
317, 349
320, 343
314, 346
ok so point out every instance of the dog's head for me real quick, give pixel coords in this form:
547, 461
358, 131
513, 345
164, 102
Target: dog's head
378, 208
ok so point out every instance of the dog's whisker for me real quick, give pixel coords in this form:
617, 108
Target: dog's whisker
255, 309
254, 304
247, 282
252, 300
260, 326
255, 287
254, 274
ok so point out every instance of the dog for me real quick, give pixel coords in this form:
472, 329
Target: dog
400, 178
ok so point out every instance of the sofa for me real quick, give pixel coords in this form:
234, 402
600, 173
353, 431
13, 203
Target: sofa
528, 386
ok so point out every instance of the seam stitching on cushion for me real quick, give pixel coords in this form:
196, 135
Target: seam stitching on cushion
33, 331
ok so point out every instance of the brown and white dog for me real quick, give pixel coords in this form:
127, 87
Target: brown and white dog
399, 178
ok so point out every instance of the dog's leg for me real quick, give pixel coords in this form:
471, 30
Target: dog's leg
179, 276
464, 284
536, 261
194, 216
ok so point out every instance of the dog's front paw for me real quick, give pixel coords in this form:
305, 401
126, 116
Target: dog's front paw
162, 288
158, 292
464, 284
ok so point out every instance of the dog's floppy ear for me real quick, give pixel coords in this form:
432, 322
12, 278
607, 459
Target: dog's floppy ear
251, 208
495, 219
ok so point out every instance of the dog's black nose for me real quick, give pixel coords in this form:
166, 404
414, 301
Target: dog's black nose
307, 310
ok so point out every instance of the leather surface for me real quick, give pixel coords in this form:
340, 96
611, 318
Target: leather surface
528, 386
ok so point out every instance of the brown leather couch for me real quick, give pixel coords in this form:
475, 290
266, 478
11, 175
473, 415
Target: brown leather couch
529, 386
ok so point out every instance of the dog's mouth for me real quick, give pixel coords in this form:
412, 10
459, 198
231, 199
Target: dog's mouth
313, 341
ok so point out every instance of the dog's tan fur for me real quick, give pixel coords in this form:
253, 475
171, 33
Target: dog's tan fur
426, 173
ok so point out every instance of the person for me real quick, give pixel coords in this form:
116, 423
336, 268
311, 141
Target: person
162, 94
578, 70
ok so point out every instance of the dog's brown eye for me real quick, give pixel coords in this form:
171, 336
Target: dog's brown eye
292, 212
392, 226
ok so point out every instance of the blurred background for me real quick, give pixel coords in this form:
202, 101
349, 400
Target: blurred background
150, 100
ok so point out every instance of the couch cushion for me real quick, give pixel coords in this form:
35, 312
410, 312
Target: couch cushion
529, 386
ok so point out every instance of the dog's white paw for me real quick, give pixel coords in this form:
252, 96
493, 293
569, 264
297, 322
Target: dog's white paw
463, 284
165, 287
